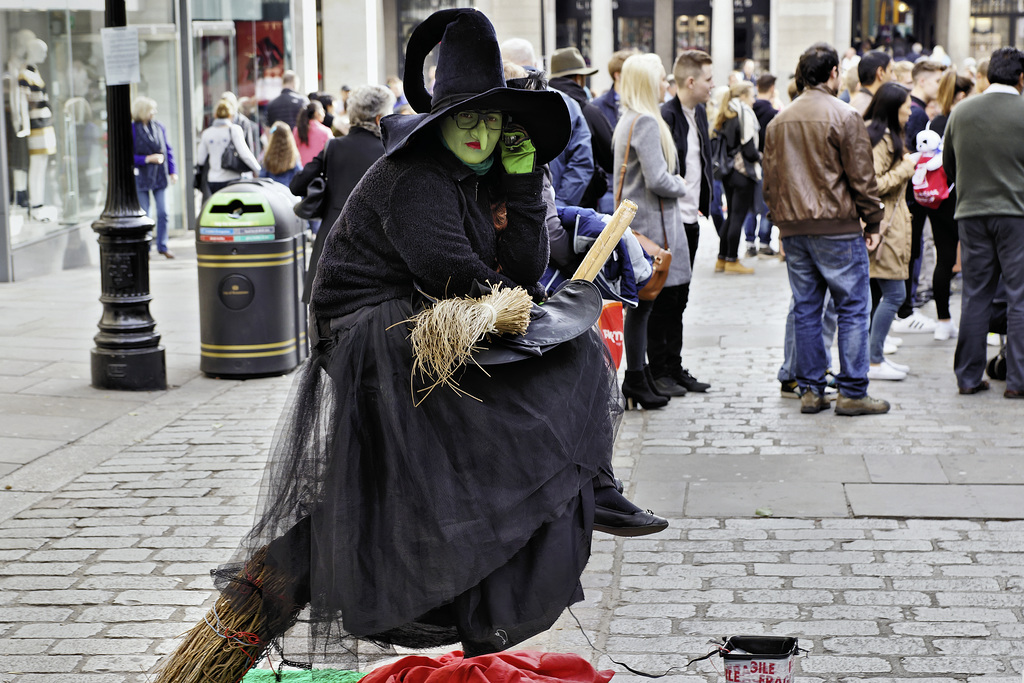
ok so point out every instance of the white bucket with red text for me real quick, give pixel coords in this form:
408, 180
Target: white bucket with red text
759, 659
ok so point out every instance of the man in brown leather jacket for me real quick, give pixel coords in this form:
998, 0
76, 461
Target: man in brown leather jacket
819, 183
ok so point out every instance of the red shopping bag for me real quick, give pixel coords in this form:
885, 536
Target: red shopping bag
610, 324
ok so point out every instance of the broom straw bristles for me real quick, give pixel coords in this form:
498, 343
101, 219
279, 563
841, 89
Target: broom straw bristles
234, 635
445, 335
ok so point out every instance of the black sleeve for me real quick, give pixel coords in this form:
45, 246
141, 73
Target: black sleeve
749, 151
523, 244
425, 226
600, 137
300, 181
917, 122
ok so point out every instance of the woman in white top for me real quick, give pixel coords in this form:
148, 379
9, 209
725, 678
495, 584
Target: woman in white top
215, 140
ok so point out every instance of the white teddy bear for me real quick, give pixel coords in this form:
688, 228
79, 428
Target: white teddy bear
929, 147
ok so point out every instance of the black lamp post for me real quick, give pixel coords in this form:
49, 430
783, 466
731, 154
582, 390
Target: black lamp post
128, 354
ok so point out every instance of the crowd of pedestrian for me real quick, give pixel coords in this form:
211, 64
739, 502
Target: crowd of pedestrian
682, 148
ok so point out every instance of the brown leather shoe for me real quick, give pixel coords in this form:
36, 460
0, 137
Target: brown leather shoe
720, 265
1013, 393
168, 253
811, 403
861, 406
737, 268
975, 389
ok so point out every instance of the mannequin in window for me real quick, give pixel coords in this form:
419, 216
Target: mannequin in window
17, 116
42, 140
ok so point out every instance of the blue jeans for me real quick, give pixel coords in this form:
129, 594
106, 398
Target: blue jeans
716, 206
893, 294
787, 373
161, 214
758, 217
838, 266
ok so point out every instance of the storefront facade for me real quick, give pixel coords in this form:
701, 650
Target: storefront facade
995, 24
53, 161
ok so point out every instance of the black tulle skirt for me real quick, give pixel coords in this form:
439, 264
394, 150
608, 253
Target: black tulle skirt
452, 520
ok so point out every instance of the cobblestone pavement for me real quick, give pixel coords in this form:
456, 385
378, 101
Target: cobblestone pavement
894, 551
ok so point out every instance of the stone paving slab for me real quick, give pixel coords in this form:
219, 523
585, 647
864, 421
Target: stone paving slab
904, 500
106, 541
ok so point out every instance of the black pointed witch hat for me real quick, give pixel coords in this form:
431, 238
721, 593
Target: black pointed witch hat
470, 76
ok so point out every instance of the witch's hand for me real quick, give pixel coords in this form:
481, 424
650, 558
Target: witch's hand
517, 151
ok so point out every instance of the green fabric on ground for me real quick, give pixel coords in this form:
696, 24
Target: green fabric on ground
315, 676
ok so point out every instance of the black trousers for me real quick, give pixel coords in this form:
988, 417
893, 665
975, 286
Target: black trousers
665, 330
946, 237
634, 334
990, 247
918, 215
692, 238
739, 191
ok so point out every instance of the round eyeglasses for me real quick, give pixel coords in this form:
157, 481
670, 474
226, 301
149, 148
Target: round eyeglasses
467, 120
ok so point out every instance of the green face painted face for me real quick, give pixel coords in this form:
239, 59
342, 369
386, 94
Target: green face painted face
472, 145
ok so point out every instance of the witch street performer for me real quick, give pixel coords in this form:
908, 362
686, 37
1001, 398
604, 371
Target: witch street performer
423, 523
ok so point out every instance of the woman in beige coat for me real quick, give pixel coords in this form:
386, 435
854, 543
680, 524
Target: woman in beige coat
887, 117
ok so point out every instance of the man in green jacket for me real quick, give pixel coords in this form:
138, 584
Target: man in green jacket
983, 155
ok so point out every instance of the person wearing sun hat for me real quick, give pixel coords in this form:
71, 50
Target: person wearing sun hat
569, 73
419, 518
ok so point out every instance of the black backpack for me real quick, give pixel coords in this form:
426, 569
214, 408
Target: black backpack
721, 159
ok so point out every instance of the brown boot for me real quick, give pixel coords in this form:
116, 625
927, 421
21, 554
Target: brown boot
861, 406
737, 268
720, 265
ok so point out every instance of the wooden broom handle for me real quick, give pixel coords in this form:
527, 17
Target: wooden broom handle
599, 252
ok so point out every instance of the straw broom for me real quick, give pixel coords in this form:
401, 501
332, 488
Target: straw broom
236, 632
445, 336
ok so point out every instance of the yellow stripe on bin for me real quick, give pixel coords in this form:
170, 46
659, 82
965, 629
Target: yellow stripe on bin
248, 264
255, 354
248, 347
242, 257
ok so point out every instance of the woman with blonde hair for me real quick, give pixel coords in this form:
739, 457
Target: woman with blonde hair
645, 155
736, 127
154, 165
215, 140
281, 158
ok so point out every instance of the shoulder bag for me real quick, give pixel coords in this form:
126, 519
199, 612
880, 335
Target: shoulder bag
662, 256
314, 204
231, 161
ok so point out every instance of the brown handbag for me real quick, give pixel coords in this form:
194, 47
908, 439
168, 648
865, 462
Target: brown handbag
662, 255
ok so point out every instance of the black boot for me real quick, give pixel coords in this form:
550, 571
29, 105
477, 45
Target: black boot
636, 390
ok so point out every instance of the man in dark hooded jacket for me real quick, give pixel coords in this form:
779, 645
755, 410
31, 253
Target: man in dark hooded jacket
569, 75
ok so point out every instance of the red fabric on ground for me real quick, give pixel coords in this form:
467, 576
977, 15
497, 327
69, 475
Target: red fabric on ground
503, 667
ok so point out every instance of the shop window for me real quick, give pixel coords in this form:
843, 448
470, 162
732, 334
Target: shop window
693, 33
990, 33
55, 112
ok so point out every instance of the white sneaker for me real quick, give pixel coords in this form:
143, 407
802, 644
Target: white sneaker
916, 322
994, 339
895, 341
945, 329
899, 367
889, 349
886, 372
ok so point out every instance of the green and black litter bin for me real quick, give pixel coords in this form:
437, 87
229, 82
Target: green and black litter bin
251, 250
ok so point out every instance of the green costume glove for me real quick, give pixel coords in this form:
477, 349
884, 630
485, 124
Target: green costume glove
517, 151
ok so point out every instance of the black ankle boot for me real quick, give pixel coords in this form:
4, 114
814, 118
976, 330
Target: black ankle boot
636, 390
